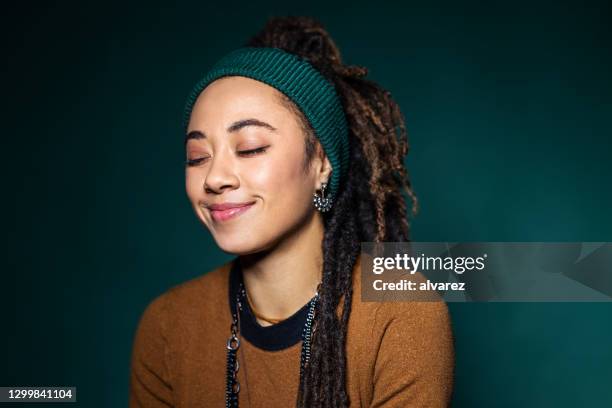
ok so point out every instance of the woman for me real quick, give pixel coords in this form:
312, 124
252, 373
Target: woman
270, 126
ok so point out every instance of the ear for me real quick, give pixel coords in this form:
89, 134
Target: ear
323, 170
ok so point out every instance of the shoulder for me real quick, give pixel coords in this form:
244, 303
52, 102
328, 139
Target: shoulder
400, 327
187, 300
407, 317
400, 309
203, 287
405, 348
424, 325
183, 312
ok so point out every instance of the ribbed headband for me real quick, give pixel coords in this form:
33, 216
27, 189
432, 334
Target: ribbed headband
303, 84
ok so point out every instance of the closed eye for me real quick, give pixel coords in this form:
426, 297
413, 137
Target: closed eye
245, 153
253, 152
195, 162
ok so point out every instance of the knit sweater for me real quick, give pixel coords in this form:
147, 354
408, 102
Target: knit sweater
399, 354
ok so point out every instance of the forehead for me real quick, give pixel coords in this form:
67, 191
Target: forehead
236, 95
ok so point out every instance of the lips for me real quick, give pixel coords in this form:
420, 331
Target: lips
227, 211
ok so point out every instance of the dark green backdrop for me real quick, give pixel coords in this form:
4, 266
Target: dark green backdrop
508, 107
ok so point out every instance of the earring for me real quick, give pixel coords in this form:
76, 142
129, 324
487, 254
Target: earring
321, 202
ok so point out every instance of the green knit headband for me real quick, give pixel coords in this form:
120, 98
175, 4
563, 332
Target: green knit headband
303, 84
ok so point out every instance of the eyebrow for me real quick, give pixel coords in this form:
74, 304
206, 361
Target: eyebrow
234, 127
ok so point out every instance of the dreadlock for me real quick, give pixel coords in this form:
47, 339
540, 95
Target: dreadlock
369, 207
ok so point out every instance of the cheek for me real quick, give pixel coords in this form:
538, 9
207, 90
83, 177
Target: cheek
193, 185
284, 187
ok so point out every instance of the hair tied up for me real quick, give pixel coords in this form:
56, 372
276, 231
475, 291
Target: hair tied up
350, 71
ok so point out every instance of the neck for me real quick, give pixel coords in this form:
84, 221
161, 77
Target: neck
281, 280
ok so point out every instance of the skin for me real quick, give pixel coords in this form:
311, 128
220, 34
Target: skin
278, 240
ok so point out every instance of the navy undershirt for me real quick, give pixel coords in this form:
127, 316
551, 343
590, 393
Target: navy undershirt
271, 338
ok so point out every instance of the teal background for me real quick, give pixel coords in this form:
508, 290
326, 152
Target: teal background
508, 106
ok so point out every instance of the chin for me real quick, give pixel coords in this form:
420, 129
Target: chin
241, 244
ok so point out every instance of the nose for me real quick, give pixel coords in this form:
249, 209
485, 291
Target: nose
221, 175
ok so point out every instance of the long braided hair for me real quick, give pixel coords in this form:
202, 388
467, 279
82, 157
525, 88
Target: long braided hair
369, 207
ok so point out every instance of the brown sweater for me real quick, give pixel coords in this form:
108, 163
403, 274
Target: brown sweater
399, 354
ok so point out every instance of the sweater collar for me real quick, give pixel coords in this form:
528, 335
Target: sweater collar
270, 338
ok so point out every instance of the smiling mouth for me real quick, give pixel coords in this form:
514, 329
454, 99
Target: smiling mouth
221, 215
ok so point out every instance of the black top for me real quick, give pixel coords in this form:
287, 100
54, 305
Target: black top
271, 338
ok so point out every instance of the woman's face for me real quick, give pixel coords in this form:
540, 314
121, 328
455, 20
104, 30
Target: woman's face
246, 176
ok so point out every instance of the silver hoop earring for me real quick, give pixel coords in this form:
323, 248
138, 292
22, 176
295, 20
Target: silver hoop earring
321, 202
